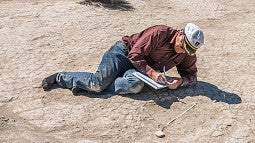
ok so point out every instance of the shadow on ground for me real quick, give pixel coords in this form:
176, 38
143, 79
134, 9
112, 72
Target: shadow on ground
109, 4
165, 98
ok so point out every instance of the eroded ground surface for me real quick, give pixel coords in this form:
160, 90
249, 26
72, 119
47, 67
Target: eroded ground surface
39, 38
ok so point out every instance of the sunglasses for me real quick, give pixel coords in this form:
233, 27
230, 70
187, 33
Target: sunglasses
184, 45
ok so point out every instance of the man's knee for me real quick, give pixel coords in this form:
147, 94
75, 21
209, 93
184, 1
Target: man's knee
128, 84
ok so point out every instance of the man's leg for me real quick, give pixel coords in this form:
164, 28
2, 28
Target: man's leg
113, 64
127, 84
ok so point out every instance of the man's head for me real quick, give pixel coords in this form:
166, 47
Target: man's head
189, 39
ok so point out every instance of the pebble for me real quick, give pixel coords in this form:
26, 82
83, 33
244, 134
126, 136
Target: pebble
217, 134
160, 134
151, 118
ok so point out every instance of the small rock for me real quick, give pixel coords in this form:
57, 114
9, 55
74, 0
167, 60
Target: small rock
160, 134
137, 127
151, 118
217, 133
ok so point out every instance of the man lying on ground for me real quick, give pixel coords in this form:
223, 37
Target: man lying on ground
149, 52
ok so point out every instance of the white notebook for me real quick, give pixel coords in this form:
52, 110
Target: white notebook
148, 80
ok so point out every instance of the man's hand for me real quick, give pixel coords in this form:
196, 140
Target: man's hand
174, 83
161, 78
171, 82
156, 76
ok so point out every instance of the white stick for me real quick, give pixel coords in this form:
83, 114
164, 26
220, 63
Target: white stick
179, 116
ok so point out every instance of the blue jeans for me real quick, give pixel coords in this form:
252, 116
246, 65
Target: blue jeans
114, 73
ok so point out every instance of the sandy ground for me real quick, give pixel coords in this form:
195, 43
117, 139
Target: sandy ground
39, 38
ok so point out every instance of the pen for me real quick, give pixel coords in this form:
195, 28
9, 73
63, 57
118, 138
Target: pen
164, 70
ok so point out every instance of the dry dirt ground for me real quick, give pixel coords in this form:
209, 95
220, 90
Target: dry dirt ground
38, 38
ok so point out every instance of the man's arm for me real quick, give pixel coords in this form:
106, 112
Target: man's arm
188, 71
142, 48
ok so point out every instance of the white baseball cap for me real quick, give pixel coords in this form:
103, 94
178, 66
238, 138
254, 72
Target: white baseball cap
193, 38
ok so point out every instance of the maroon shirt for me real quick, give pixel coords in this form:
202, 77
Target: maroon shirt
153, 48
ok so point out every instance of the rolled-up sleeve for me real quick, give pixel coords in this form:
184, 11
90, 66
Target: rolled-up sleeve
188, 71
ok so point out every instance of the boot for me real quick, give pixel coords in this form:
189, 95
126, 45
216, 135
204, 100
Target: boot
49, 81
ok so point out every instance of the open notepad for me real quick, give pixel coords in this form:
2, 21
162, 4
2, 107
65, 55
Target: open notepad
148, 80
